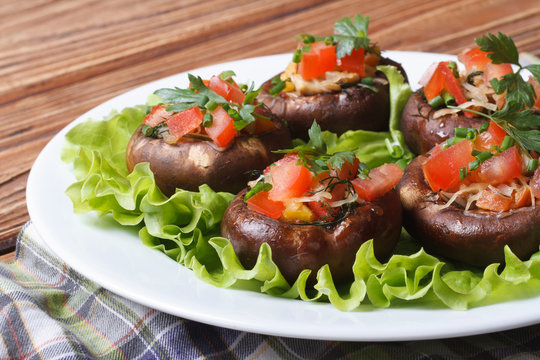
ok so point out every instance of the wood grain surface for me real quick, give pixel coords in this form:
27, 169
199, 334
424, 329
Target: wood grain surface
58, 59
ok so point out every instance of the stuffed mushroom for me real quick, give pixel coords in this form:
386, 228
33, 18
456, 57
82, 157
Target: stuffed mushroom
467, 201
312, 216
207, 134
333, 80
427, 118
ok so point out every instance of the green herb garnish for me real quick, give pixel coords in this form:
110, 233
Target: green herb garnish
200, 95
314, 156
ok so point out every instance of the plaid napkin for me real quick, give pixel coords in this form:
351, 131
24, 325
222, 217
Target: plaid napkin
49, 311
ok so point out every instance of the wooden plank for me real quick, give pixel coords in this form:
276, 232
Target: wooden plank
62, 58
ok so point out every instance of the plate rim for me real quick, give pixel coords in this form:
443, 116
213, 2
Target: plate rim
49, 235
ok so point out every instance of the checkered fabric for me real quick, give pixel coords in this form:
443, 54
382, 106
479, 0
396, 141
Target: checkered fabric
49, 311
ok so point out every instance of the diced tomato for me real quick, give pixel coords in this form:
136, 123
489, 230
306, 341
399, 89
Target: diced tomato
354, 62
536, 88
491, 200
323, 209
156, 116
451, 84
320, 59
500, 168
441, 170
381, 180
443, 79
496, 71
185, 122
434, 85
262, 204
493, 136
289, 180
231, 92
474, 59
348, 171
521, 198
222, 130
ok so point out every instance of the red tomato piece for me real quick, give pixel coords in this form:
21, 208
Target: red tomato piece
322, 209
493, 136
320, 59
521, 198
185, 122
381, 180
354, 62
435, 84
491, 200
474, 59
496, 71
222, 130
443, 79
348, 171
451, 84
156, 116
289, 180
441, 170
500, 168
230, 92
262, 204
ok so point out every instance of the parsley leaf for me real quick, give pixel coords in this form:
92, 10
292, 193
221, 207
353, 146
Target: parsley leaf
500, 48
313, 155
518, 91
524, 119
358, 28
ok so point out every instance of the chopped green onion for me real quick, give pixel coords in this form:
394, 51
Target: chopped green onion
532, 165
260, 186
211, 105
309, 39
453, 140
473, 165
507, 143
453, 66
147, 130
208, 120
449, 99
297, 56
494, 149
463, 173
484, 126
278, 86
461, 132
367, 81
329, 40
227, 74
436, 102
483, 156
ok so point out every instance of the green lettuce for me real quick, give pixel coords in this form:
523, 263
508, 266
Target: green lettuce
185, 226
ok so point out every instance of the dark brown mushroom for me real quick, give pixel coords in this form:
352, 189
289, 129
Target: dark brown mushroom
296, 247
422, 131
352, 108
476, 237
191, 163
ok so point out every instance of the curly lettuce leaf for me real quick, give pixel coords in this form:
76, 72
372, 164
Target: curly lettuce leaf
185, 227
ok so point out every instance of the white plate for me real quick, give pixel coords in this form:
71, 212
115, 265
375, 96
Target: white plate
115, 258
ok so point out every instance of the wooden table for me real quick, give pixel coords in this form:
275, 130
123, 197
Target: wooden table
59, 59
